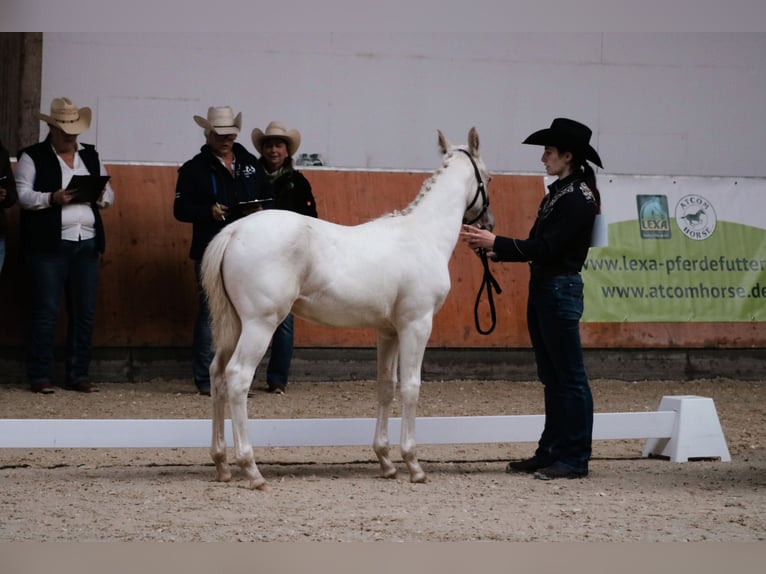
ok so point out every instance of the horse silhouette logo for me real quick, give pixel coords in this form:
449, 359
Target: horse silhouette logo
695, 217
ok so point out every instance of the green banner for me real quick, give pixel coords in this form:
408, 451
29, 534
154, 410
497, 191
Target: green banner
691, 249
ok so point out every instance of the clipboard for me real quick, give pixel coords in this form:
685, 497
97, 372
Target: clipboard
89, 187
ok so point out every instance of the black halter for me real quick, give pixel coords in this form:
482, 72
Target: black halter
481, 191
488, 281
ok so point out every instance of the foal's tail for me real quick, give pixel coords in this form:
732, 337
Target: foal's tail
226, 326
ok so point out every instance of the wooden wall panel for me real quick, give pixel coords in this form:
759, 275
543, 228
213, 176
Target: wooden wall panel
148, 296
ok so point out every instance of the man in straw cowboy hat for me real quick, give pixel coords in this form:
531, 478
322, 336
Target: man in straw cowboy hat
62, 237
292, 191
214, 188
556, 250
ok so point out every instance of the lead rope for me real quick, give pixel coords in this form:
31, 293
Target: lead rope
489, 283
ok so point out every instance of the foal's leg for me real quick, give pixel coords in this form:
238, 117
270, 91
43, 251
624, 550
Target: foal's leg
218, 444
252, 345
388, 348
412, 344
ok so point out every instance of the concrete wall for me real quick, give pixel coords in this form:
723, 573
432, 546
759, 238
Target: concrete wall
661, 103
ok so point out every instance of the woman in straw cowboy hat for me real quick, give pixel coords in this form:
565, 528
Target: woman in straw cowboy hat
292, 191
212, 189
556, 250
61, 238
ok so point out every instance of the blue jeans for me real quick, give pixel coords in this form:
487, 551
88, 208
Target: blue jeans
2, 252
281, 353
554, 309
71, 271
202, 344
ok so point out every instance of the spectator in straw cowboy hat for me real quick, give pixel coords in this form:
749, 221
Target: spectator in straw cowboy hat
212, 190
61, 239
556, 250
292, 191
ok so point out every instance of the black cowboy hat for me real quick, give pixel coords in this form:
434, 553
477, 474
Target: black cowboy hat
568, 134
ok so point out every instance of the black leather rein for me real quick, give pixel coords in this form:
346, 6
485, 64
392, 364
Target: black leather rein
488, 280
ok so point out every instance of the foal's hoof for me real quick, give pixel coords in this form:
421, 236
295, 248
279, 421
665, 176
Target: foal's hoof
387, 469
223, 476
259, 484
419, 478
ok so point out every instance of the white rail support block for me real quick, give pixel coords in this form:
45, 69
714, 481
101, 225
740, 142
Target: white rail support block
697, 432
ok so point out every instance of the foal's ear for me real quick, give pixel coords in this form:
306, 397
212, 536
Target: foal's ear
443, 143
473, 142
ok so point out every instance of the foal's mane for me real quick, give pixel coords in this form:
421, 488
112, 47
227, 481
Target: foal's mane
426, 187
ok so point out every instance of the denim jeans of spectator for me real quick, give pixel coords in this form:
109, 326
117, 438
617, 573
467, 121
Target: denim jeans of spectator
71, 271
281, 353
554, 309
2, 253
202, 343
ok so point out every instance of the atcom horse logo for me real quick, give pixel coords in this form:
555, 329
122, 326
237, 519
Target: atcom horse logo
695, 217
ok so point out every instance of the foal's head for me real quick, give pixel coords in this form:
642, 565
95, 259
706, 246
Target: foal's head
477, 211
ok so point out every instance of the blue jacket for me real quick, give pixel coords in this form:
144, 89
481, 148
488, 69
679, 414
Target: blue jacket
203, 181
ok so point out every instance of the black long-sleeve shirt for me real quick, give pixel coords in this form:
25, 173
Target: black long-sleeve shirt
560, 237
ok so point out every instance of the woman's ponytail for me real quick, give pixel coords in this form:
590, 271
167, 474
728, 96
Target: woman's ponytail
587, 172
590, 180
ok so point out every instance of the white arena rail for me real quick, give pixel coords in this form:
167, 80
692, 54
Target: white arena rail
682, 428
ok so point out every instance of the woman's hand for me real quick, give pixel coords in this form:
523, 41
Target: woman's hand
62, 196
477, 238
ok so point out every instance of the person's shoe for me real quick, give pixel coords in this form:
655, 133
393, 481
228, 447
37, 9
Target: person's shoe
528, 465
204, 390
559, 470
81, 387
275, 390
42, 387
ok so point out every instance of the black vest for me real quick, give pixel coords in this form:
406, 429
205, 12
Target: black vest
41, 228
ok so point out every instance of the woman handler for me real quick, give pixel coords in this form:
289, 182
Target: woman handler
556, 249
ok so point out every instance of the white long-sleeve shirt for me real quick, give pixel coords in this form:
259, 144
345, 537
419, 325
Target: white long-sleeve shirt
77, 220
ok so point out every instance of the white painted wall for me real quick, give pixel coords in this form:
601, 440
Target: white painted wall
659, 104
